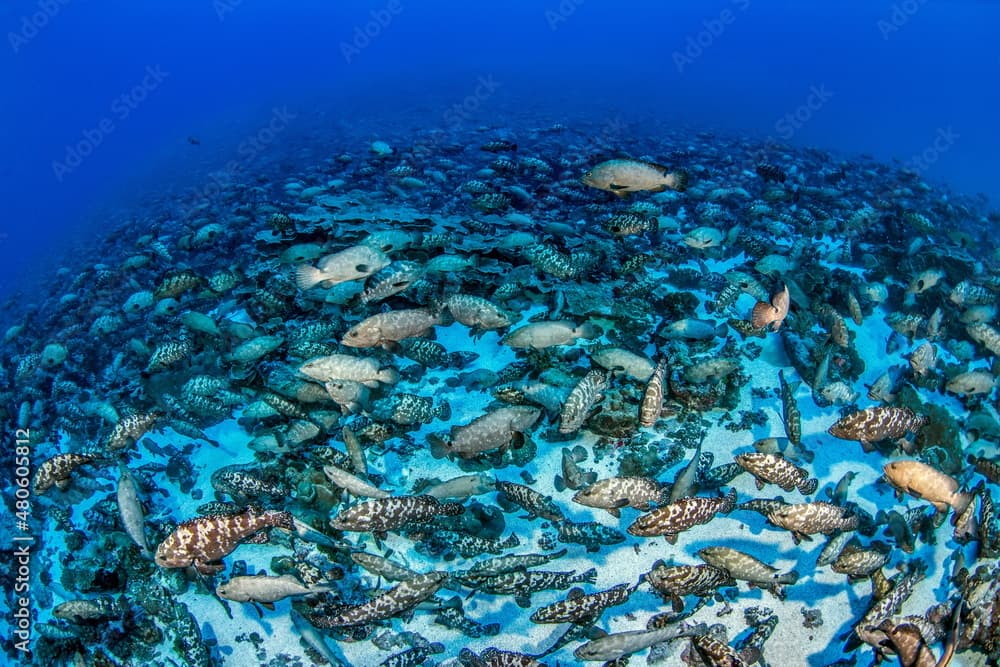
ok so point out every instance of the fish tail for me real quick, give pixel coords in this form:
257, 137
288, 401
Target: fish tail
452, 509
439, 446
307, 277
680, 179
443, 411
590, 576
788, 578
808, 487
730, 503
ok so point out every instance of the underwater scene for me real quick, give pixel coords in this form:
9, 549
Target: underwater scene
550, 333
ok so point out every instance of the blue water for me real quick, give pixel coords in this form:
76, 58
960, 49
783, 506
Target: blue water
125, 119
883, 78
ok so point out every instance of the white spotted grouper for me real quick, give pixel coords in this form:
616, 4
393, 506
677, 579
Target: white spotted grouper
384, 514
395, 601
680, 515
203, 541
870, 425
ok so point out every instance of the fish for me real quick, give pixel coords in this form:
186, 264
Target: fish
494, 657
623, 176
353, 263
169, 353
366, 370
686, 482
265, 590
621, 644
693, 329
676, 581
985, 335
241, 482
573, 477
255, 349
923, 359
418, 655
835, 325
616, 492
744, 567
790, 414
680, 515
384, 514
476, 312
57, 471
390, 327
582, 608
462, 487
588, 533
397, 600
351, 396
927, 483
581, 401
522, 584
703, 238
711, 369
548, 333
785, 447
395, 278
972, 383
805, 519
834, 547
498, 146
535, 503
467, 546
858, 563
651, 405
629, 224
966, 293
867, 629
871, 425
205, 540
616, 359
352, 483
771, 314
130, 509
500, 429
924, 280
502, 564
775, 469
409, 409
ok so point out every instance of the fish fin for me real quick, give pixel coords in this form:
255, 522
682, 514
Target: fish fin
559, 484
260, 537
574, 593
759, 483
680, 178
613, 511
522, 601
614, 187
267, 605
808, 487
62, 484
671, 538
439, 446
307, 277
588, 478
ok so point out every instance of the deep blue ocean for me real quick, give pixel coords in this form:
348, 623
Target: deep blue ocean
687, 312
884, 78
